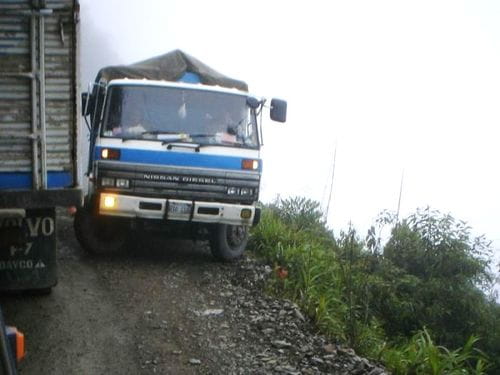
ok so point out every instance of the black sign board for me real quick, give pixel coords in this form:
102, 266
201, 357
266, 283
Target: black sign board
28, 250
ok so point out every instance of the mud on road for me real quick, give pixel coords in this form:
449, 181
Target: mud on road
167, 307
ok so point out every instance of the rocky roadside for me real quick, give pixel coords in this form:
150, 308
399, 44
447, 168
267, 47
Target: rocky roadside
291, 345
287, 341
241, 330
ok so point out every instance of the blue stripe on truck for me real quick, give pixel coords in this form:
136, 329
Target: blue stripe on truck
174, 158
23, 180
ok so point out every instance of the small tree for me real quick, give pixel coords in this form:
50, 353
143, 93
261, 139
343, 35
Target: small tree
303, 215
444, 270
440, 246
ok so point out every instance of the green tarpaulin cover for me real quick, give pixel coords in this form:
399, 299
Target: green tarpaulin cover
170, 67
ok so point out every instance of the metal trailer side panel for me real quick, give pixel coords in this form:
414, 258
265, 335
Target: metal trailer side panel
38, 98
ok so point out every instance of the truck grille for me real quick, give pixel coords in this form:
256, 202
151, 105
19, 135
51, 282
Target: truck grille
181, 182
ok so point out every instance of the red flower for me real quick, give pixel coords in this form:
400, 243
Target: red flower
281, 272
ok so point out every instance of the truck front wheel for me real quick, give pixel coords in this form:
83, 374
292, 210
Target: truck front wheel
228, 241
99, 235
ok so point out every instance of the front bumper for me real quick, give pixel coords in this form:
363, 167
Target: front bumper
175, 209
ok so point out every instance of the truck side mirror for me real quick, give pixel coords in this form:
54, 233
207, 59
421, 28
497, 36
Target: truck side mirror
278, 110
85, 104
253, 103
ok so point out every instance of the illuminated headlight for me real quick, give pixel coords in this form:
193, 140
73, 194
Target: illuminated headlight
108, 181
233, 190
122, 183
109, 201
110, 153
246, 191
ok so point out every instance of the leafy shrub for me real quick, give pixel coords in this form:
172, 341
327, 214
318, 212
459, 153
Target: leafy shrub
430, 273
327, 279
438, 269
429, 244
303, 215
422, 356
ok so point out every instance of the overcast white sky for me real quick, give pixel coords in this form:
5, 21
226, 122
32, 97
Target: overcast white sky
411, 85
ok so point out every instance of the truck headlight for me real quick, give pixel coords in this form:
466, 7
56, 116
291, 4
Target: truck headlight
108, 181
109, 201
122, 183
110, 153
246, 213
233, 190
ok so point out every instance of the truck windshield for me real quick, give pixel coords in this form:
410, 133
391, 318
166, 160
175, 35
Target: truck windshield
179, 115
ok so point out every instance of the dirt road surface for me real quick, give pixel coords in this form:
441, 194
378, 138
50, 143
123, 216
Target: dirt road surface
167, 307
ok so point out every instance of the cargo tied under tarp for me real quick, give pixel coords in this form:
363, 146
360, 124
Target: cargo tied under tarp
172, 66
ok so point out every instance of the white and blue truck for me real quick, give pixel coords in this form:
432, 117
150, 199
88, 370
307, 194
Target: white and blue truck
174, 146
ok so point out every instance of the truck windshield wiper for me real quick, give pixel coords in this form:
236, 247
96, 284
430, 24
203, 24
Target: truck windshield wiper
156, 132
217, 143
234, 145
169, 136
171, 145
201, 135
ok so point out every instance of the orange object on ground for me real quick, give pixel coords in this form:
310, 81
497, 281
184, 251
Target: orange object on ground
281, 272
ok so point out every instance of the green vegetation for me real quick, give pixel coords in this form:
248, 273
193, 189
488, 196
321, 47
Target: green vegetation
420, 303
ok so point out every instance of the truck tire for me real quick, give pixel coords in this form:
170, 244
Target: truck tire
228, 241
99, 235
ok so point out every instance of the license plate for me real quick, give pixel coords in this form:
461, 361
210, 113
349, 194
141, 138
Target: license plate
181, 208
28, 260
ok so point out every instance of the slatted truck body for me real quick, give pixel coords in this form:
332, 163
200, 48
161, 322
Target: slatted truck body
38, 135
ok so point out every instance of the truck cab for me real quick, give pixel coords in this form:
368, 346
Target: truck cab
182, 156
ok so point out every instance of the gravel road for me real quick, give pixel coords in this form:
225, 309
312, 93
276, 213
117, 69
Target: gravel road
167, 308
